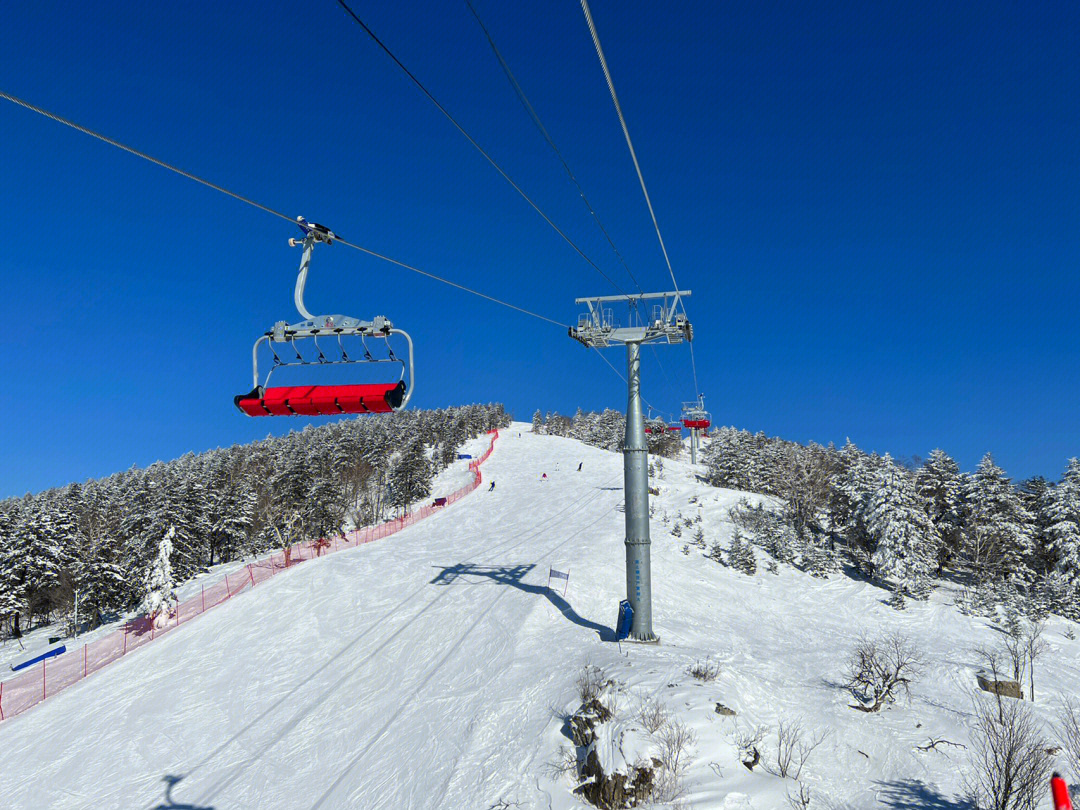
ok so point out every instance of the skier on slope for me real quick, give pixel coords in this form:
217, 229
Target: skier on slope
543, 477
491, 487
579, 465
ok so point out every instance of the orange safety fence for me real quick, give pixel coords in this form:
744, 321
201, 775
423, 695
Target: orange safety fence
24, 691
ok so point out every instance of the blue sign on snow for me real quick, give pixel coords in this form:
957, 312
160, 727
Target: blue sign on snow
463, 455
37, 659
626, 619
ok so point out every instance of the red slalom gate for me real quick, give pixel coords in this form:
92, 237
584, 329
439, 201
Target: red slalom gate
21, 693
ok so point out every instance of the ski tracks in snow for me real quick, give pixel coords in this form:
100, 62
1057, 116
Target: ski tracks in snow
562, 523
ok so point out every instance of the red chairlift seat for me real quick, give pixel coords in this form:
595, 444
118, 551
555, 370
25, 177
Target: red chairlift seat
322, 400
701, 424
325, 400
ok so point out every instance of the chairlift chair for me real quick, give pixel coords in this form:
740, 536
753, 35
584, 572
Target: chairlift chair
334, 330
694, 415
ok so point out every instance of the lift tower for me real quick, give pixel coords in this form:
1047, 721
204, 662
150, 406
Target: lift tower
597, 329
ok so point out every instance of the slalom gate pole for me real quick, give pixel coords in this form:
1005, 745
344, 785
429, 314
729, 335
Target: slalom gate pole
42, 680
252, 575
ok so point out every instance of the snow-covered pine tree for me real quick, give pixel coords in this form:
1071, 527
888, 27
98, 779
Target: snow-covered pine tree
939, 486
864, 477
160, 587
741, 554
49, 535
1063, 533
998, 528
537, 422
904, 538
10, 571
410, 479
699, 537
840, 508
1036, 494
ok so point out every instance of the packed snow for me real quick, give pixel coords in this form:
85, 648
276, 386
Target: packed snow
435, 669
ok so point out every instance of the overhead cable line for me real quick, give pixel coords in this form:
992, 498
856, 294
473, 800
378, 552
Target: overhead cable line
267, 209
566, 167
472, 140
621, 376
626, 132
633, 155
547, 137
452, 283
143, 155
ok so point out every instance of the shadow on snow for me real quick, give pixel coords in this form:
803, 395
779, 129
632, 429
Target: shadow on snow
513, 575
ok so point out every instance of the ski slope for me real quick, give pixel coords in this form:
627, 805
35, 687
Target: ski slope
434, 669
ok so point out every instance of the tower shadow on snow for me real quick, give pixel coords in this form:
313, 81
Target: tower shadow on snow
170, 803
914, 793
513, 575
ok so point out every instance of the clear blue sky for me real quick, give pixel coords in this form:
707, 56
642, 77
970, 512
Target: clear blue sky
876, 206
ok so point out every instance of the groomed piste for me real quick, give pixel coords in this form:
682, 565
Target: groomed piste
435, 669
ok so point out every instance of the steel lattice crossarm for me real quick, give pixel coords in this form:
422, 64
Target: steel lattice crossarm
597, 328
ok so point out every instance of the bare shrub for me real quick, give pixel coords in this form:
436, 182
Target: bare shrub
793, 749
800, 800
590, 682
1035, 647
676, 741
707, 670
1009, 767
992, 663
565, 763
878, 669
1068, 733
653, 715
748, 741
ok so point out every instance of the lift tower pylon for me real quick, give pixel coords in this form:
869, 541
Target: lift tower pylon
664, 322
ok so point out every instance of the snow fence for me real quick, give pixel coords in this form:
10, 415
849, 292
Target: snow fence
21, 693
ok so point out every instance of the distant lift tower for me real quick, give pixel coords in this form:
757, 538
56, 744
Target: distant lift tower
596, 328
696, 419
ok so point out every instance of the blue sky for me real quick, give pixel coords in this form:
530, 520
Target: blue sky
875, 205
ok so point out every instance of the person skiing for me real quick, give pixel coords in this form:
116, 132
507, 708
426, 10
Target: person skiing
579, 465
543, 477
491, 487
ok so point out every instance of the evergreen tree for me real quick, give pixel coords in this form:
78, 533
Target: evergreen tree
537, 422
904, 538
997, 536
160, 588
411, 478
1063, 532
741, 555
940, 489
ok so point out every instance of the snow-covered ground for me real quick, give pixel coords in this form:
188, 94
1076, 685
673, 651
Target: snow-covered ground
35, 642
434, 669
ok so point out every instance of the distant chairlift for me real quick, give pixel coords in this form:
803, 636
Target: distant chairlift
694, 415
337, 331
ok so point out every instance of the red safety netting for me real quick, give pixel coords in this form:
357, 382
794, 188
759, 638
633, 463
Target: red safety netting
54, 674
